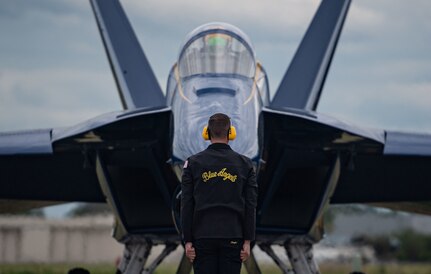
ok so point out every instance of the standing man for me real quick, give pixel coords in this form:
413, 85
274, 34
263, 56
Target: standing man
218, 203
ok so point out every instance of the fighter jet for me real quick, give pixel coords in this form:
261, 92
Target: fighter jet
132, 159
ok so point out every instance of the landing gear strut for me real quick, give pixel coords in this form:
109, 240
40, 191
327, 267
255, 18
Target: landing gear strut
136, 253
302, 259
300, 255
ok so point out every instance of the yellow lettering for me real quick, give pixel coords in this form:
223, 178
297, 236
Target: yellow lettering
222, 173
205, 176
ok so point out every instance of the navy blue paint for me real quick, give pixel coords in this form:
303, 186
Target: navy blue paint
408, 144
26, 142
204, 91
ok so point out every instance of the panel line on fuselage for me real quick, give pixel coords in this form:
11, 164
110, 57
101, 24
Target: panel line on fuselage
180, 86
253, 89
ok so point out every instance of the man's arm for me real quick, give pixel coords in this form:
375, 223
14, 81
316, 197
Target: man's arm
250, 205
187, 202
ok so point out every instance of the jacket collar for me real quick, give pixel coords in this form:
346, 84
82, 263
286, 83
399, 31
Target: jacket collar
219, 146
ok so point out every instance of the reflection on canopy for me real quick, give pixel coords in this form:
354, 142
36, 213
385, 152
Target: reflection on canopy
217, 52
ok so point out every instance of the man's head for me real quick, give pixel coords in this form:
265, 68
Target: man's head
218, 127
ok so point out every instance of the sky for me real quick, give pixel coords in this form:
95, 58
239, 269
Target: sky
54, 71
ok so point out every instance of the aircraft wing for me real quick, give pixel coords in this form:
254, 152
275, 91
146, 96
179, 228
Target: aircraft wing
398, 178
40, 167
310, 159
119, 157
31, 170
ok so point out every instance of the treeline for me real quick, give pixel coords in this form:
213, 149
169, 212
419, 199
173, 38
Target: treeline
406, 245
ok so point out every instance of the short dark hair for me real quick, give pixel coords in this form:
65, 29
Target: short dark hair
219, 125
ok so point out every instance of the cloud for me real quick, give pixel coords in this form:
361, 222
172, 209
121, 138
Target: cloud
363, 20
36, 98
65, 12
390, 103
283, 14
54, 66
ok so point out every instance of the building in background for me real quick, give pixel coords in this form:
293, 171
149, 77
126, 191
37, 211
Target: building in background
38, 240
29, 239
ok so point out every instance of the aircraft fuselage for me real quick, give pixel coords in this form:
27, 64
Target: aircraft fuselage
216, 72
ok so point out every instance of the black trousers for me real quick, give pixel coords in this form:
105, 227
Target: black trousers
217, 256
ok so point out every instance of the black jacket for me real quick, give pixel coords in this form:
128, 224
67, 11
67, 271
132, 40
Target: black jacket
219, 195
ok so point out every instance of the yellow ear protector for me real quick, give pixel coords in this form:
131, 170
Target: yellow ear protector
206, 135
232, 133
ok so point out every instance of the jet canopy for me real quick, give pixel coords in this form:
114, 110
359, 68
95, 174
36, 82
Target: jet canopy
217, 48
